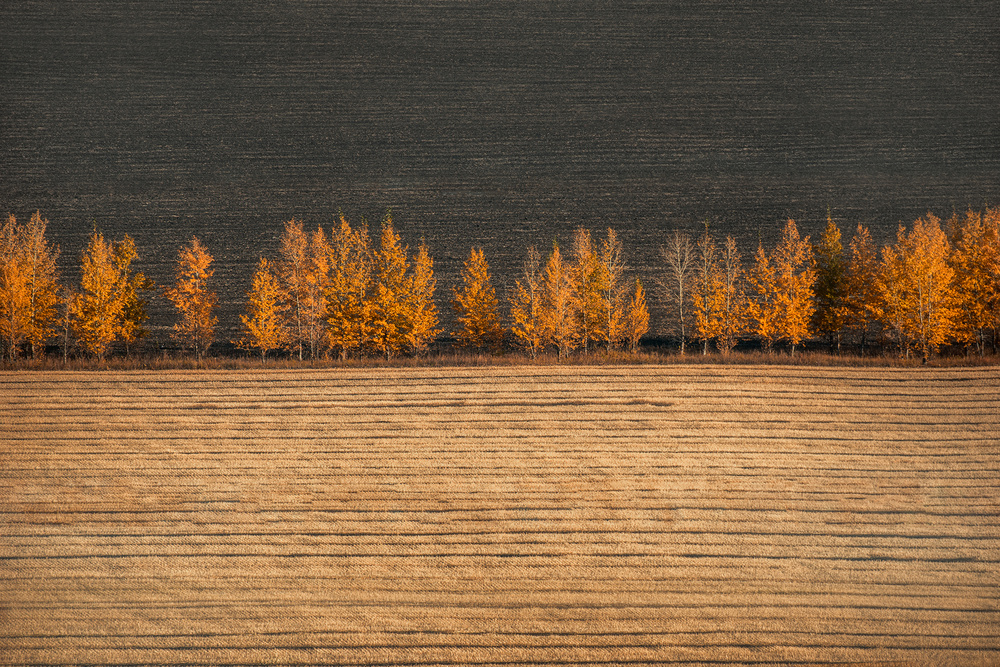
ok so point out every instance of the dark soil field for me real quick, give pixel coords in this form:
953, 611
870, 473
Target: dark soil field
519, 515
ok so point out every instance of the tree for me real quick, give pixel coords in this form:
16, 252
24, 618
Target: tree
730, 298
783, 285
15, 291
193, 298
264, 323
706, 291
43, 283
975, 259
348, 293
390, 295
526, 309
132, 287
475, 305
292, 269
587, 267
829, 317
561, 303
109, 304
796, 276
861, 309
917, 286
636, 318
315, 282
612, 289
679, 259
422, 313
763, 306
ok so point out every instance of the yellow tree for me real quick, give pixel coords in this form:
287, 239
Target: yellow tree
348, 294
763, 305
43, 283
98, 310
829, 315
193, 298
526, 310
475, 305
975, 259
918, 286
293, 268
783, 303
612, 289
706, 292
636, 318
795, 278
315, 281
390, 294
590, 277
132, 287
561, 303
264, 323
422, 326
15, 291
730, 300
861, 303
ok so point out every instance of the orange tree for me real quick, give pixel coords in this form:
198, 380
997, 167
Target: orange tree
422, 314
193, 298
109, 306
560, 303
975, 259
264, 323
348, 291
475, 305
916, 285
526, 309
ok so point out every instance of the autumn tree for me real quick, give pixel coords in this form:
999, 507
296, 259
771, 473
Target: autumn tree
389, 293
763, 307
636, 318
783, 282
422, 315
729, 299
475, 305
587, 267
526, 306
706, 291
975, 259
829, 316
109, 305
292, 268
680, 260
193, 298
613, 289
917, 286
560, 303
43, 283
348, 293
314, 285
862, 303
263, 325
134, 286
15, 309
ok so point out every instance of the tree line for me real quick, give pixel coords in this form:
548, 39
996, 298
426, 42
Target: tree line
936, 285
342, 294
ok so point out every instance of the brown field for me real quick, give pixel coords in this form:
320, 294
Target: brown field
505, 515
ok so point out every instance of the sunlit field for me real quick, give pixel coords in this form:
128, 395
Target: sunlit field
501, 515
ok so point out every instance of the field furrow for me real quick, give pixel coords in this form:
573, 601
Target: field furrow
567, 515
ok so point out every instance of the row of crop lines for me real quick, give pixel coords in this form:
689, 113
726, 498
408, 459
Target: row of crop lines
324, 526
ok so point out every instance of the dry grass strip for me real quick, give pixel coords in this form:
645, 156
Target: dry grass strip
427, 516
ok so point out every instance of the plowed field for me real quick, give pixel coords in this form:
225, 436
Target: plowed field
596, 515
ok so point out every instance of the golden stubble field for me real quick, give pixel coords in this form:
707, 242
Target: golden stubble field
594, 515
